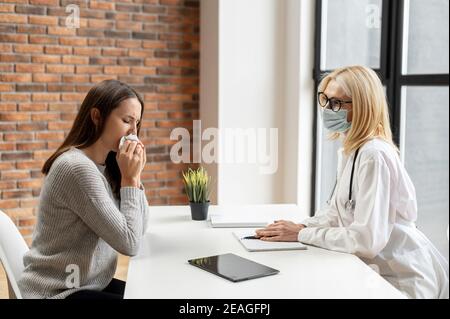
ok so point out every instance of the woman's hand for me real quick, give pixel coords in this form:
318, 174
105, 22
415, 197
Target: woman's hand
131, 160
280, 230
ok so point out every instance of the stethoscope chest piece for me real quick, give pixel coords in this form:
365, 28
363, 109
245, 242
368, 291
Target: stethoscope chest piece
350, 204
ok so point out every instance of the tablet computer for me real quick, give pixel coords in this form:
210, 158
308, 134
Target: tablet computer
233, 267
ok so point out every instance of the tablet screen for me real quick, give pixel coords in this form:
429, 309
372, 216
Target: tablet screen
233, 267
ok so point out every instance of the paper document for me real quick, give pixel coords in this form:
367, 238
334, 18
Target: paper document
261, 245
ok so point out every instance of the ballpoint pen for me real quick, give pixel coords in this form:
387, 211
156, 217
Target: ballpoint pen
250, 237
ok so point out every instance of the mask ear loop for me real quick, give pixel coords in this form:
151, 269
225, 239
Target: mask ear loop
351, 203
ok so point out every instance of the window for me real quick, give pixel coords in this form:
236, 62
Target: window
351, 18
409, 50
338, 22
426, 145
425, 37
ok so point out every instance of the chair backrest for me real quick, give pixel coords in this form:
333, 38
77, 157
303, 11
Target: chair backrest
12, 249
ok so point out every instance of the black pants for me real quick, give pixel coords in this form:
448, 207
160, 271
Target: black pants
114, 290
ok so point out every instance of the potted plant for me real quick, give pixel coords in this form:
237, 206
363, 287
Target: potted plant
197, 185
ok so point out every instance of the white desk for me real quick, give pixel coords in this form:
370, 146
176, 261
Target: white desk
161, 270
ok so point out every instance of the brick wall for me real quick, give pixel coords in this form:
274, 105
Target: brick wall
46, 69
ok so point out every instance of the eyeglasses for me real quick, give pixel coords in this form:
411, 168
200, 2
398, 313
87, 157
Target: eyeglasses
333, 104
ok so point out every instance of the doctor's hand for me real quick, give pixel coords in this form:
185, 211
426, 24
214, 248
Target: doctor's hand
280, 230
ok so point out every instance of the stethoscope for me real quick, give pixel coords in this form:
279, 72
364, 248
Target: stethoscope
350, 203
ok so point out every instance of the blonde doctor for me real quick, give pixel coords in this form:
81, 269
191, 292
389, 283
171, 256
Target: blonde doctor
373, 207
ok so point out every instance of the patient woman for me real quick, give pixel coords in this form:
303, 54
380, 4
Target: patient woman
92, 203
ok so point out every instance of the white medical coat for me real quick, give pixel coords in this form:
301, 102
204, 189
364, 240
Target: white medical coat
380, 229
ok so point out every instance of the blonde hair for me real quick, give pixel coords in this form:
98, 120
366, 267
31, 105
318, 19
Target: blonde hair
369, 106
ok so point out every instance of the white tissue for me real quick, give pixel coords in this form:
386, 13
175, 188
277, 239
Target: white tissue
130, 137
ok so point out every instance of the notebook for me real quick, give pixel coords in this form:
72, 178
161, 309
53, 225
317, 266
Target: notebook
260, 245
253, 215
235, 221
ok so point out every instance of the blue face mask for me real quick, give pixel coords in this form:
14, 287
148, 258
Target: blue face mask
335, 121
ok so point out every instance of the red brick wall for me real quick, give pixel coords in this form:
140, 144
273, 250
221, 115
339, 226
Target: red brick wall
47, 68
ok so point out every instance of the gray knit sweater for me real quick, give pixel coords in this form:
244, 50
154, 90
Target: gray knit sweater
80, 228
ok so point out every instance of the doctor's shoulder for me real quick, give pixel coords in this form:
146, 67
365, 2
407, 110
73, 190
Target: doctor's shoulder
378, 150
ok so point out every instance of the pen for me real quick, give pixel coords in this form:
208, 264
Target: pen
250, 237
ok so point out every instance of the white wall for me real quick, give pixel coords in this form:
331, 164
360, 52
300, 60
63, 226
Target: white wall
257, 46
251, 77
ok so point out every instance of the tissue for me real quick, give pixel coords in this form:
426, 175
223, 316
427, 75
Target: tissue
130, 137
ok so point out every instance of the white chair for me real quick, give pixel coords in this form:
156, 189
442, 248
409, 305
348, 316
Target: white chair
12, 249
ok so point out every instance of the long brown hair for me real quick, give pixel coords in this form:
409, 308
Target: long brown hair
105, 96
